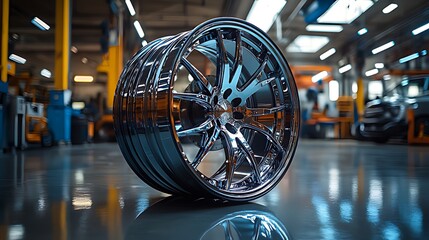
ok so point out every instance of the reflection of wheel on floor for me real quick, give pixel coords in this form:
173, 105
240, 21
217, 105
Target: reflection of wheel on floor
239, 116
179, 218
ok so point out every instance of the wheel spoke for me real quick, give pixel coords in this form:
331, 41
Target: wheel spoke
238, 61
264, 130
223, 71
227, 229
206, 125
199, 98
255, 112
208, 143
253, 87
197, 75
247, 150
232, 153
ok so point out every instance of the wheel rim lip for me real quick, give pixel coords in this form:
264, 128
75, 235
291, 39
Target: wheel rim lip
293, 138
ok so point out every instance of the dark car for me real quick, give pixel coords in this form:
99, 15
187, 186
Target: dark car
386, 118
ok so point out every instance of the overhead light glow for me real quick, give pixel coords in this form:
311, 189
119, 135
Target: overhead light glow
324, 28
263, 13
390, 8
40, 24
144, 43
139, 28
371, 72
424, 52
409, 58
73, 49
307, 44
354, 87
420, 29
345, 68
345, 11
334, 90
46, 73
379, 65
383, 47
130, 7
387, 77
319, 76
362, 31
327, 54
83, 78
17, 59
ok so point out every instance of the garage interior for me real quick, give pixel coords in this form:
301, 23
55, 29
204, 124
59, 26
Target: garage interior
359, 171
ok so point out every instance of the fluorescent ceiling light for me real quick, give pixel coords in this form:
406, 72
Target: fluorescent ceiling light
362, 31
387, 77
74, 49
334, 90
139, 28
390, 8
327, 54
144, 43
82, 78
319, 76
263, 13
46, 73
345, 68
383, 47
379, 65
40, 24
420, 29
424, 52
371, 72
307, 44
324, 28
409, 58
345, 11
17, 59
130, 7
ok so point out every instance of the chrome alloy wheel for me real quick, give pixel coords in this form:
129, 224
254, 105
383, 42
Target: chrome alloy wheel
230, 133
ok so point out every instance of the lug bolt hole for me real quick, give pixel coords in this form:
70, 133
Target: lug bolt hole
227, 93
236, 102
238, 115
230, 128
215, 100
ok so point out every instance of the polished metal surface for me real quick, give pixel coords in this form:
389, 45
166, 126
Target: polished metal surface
243, 113
335, 190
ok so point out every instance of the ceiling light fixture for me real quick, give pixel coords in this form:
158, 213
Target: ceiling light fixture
371, 72
144, 43
420, 29
17, 59
40, 24
334, 90
319, 76
139, 28
362, 31
327, 54
409, 58
387, 77
345, 11
73, 49
130, 7
307, 44
46, 73
83, 79
390, 8
324, 28
379, 65
383, 47
345, 68
263, 13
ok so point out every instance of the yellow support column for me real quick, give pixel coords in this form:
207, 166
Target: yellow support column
114, 71
4, 39
62, 44
360, 97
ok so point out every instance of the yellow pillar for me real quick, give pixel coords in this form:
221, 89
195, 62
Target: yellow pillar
360, 96
115, 67
4, 38
62, 44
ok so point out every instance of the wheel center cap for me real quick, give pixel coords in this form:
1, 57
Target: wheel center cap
223, 111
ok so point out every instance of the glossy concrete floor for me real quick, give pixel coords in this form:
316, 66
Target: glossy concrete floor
333, 190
